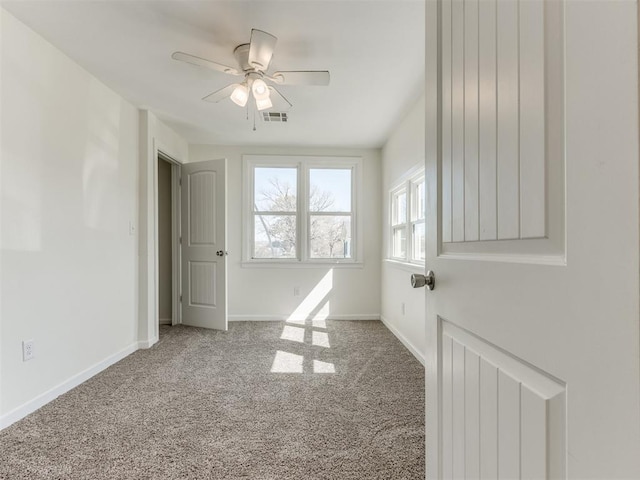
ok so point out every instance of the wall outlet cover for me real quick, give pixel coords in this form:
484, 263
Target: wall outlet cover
28, 350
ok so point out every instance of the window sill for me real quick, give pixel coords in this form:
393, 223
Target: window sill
408, 266
294, 264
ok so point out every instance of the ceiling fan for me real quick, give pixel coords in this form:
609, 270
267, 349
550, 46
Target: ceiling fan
253, 60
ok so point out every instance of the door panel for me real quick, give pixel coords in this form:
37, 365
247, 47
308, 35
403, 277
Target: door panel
505, 415
503, 52
532, 175
203, 230
202, 277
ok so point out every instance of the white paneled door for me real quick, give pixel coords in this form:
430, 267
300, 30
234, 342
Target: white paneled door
533, 366
204, 297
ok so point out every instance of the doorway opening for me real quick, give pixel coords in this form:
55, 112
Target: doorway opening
168, 240
165, 270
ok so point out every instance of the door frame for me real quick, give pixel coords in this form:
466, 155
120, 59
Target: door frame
152, 283
433, 152
176, 278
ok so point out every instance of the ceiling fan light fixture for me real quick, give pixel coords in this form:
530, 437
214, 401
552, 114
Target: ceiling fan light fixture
260, 89
264, 103
240, 95
253, 60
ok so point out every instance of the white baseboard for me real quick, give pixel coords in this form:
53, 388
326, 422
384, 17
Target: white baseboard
284, 318
165, 321
416, 353
44, 398
147, 343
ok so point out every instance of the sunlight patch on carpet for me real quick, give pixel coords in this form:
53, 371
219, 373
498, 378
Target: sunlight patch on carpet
320, 339
295, 334
323, 367
286, 362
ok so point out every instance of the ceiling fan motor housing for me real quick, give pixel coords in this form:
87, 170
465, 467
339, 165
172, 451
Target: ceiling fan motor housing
242, 57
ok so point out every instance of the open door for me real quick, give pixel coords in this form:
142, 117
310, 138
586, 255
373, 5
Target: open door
532, 175
204, 271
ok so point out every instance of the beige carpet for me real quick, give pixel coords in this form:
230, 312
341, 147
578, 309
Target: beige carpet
265, 400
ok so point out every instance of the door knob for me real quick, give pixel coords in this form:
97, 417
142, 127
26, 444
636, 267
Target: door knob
418, 280
220, 253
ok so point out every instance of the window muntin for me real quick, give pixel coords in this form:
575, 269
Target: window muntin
407, 221
301, 209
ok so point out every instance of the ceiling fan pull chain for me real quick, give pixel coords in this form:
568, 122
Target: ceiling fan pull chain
254, 120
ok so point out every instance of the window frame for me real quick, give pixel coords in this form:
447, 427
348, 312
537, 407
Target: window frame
414, 184
303, 164
398, 224
409, 185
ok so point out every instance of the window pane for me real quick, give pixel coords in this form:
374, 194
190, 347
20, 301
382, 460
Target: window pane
418, 241
418, 201
275, 189
330, 190
400, 208
330, 236
400, 242
275, 236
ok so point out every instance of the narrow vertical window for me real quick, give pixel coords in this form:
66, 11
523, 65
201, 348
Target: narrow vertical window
399, 224
418, 220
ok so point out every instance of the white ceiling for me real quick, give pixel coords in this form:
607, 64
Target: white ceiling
374, 50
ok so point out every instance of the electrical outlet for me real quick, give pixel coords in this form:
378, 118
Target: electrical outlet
28, 350
402, 308
296, 291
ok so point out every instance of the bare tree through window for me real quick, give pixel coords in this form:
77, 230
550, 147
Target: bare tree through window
276, 221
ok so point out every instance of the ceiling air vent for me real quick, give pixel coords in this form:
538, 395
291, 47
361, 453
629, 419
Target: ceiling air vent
274, 116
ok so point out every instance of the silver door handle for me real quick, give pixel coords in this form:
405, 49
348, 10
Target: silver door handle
221, 253
418, 280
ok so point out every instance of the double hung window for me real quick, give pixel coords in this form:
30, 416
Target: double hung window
407, 220
301, 209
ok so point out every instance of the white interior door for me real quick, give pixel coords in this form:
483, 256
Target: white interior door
204, 271
532, 175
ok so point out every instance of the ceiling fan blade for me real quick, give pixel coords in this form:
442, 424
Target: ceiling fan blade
317, 77
261, 49
221, 94
280, 103
203, 62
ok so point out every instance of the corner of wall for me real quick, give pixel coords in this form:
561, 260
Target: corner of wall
154, 136
402, 153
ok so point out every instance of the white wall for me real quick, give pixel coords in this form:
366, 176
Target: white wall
402, 153
267, 293
69, 191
